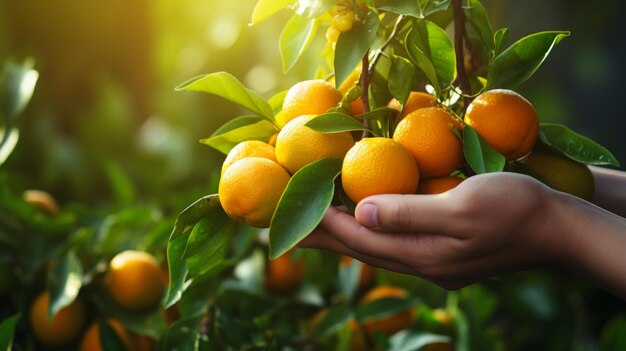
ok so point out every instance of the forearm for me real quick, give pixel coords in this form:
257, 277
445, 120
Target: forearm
596, 243
610, 190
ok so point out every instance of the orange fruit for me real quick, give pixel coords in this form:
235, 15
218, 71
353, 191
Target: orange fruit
249, 148
134, 280
272, 141
506, 120
310, 97
298, 145
366, 275
91, 339
250, 189
560, 173
284, 274
438, 185
351, 81
427, 133
64, 327
356, 107
416, 100
392, 323
42, 200
376, 166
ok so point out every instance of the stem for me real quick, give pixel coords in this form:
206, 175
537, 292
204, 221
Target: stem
379, 52
459, 34
365, 82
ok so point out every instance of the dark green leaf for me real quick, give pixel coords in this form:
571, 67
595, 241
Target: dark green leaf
194, 213
479, 19
120, 183
265, 8
521, 60
17, 83
382, 308
223, 84
349, 275
576, 146
613, 335
409, 340
432, 52
208, 242
8, 142
353, 45
401, 78
415, 8
64, 282
109, 339
240, 129
181, 335
177, 270
294, 39
481, 156
378, 114
313, 8
335, 122
7, 330
336, 317
500, 39
303, 204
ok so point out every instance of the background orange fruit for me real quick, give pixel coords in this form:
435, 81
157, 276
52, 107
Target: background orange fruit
376, 166
309, 97
250, 189
415, 101
506, 120
392, 323
91, 339
438, 185
298, 145
64, 327
134, 280
366, 275
42, 200
427, 133
284, 273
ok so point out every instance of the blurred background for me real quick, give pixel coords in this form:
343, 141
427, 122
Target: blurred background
105, 106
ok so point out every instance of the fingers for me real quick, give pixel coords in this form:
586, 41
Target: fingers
409, 214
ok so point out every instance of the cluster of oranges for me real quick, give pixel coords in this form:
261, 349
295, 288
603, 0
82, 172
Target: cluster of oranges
134, 281
343, 18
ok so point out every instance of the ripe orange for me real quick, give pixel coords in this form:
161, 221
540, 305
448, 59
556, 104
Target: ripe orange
284, 273
91, 339
309, 97
427, 133
250, 189
506, 120
376, 166
272, 141
134, 280
366, 275
64, 327
438, 185
249, 148
298, 145
392, 323
416, 100
42, 200
351, 81
560, 173
356, 107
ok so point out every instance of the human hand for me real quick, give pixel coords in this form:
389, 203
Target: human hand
487, 225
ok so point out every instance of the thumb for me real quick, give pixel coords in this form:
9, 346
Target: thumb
405, 213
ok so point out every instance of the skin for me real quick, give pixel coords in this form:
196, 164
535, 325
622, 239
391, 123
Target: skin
489, 224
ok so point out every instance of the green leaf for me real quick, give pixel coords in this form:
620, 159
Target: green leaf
500, 37
17, 83
294, 39
7, 330
64, 282
349, 275
401, 78
208, 242
575, 146
378, 114
432, 51
182, 335
8, 142
383, 307
521, 60
177, 270
481, 156
194, 213
109, 339
266, 8
479, 19
353, 45
336, 317
276, 101
240, 129
414, 8
613, 336
335, 122
409, 340
303, 204
313, 8
223, 84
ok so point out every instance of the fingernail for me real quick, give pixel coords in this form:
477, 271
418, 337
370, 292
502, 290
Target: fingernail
368, 215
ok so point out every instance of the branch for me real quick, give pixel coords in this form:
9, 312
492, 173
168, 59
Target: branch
459, 35
365, 82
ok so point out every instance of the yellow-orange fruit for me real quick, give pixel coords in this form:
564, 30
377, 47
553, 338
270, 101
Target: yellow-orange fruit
438, 185
134, 280
64, 327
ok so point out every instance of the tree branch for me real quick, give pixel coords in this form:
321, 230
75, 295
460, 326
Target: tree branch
365, 82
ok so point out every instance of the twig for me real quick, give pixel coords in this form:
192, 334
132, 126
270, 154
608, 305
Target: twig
379, 52
365, 82
459, 34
